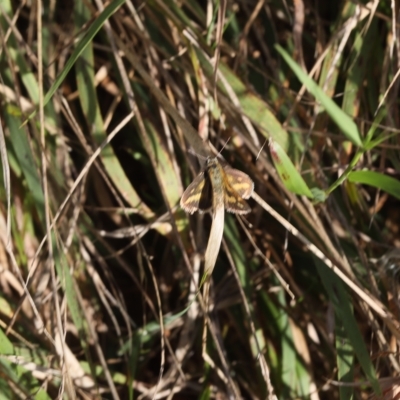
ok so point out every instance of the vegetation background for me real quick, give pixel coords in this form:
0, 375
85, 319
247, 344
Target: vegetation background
102, 106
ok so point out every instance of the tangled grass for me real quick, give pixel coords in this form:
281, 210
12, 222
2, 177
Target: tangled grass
104, 108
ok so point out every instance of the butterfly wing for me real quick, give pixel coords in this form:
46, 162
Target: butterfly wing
197, 197
240, 182
237, 186
234, 203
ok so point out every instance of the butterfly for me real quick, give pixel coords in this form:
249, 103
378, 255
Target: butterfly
217, 186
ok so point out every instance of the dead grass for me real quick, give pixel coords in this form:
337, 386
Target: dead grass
101, 115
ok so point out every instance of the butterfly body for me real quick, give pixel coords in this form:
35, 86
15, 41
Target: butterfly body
218, 186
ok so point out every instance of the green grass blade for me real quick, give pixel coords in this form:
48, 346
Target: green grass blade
255, 108
378, 180
26, 160
85, 77
288, 172
342, 120
167, 177
345, 363
344, 311
82, 43
6, 346
252, 106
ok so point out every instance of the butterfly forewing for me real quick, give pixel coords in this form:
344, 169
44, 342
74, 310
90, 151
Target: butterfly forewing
239, 181
197, 196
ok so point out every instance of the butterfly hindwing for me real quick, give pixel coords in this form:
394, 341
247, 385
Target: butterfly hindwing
234, 203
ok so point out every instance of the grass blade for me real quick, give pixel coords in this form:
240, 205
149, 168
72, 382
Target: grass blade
342, 120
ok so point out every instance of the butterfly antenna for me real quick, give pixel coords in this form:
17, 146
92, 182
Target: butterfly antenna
258, 155
224, 145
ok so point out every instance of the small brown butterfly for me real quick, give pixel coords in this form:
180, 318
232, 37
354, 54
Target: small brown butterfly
216, 185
